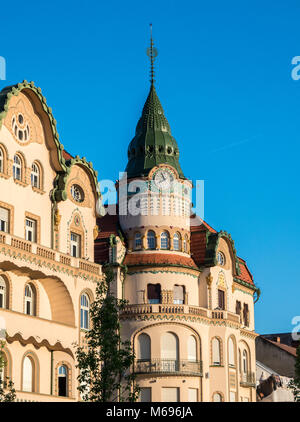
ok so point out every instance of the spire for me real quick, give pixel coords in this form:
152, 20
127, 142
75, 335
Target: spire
153, 143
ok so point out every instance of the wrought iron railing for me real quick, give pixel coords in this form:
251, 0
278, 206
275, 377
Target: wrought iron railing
168, 366
248, 379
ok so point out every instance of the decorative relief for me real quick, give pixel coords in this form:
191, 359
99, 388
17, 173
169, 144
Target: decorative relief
22, 121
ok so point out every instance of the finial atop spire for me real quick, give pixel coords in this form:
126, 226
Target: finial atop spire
151, 53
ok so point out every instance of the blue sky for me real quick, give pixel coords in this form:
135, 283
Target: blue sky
224, 79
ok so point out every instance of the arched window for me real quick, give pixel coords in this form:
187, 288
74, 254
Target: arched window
28, 374
245, 362
84, 311
185, 244
178, 294
35, 176
3, 370
30, 300
169, 350
217, 397
154, 293
221, 258
151, 244
144, 347
63, 381
216, 351
164, 240
1, 161
177, 242
138, 241
192, 349
231, 354
3, 293
17, 168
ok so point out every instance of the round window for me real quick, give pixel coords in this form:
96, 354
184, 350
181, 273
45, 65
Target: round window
221, 258
77, 193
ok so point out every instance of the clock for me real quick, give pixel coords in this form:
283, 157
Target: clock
163, 179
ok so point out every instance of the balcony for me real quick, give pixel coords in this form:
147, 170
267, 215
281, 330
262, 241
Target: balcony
179, 309
41, 256
168, 367
248, 379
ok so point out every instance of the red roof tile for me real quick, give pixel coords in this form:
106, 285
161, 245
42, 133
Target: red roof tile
107, 225
288, 349
66, 155
158, 258
245, 273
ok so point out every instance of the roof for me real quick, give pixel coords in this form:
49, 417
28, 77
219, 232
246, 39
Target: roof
108, 225
288, 349
245, 274
153, 143
139, 258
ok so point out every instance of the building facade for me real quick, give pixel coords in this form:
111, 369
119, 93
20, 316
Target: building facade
190, 313
49, 203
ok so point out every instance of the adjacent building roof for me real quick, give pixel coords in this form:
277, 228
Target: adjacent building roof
140, 258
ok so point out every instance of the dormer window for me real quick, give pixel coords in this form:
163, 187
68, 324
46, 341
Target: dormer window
77, 193
221, 258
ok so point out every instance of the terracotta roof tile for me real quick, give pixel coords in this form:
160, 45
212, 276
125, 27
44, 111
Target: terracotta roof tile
158, 258
288, 349
245, 273
66, 155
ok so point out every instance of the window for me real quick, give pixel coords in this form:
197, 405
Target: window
192, 349
169, 352
238, 307
151, 244
246, 315
164, 240
221, 258
154, 293
232, 396
144, 347
30, 300
3, 370
145, 394
28, 374
170, 394
17, 168
77, 193
84, 311
62, 381
231, 355
217, 397
185, 243
245, 362
216, 352
221, 299
4, 220
30, 230
35, 176
192, 394
1, 161
75, 245
3, 293
138, 241
178, 294
177, 242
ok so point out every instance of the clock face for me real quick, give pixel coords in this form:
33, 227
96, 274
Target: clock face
163, 179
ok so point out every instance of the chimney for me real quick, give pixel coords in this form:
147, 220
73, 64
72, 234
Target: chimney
278, 339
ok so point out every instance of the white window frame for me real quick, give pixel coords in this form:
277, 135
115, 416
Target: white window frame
30, 230
29, 300
3, 293
75, 242
17, 168
84, 312
4, 219
35, 176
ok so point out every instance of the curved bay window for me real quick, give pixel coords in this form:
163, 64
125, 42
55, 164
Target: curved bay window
84, 311
165, 240
144, 347
138, 241
63, 381
151, 244
154, 293
177, 242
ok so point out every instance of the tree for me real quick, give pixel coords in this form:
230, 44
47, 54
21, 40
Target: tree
294, 384
7, 391
104, 365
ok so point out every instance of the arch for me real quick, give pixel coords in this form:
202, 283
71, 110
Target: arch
192, 348
36, 177
63, 379
231, 351
169, 346
137, 240
30, 372
217, 396
151, 240
3, 159
177, 242
4, 293
216, 351
30, 299
84, 311
244, 347
165, 240
144, 347
77, 227
185, 243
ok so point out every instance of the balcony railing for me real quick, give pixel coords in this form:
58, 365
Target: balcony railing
166, 366
248, 379
49, 254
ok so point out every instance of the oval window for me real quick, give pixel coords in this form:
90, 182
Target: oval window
77, 193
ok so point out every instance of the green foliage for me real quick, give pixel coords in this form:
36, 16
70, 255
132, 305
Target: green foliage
294, 384
104, 365
7, 391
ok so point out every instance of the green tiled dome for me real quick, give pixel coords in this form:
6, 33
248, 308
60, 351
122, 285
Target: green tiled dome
153, 143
